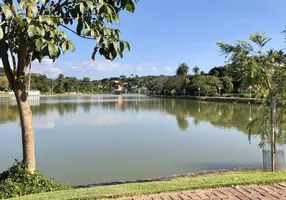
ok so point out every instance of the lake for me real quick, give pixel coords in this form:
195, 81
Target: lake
102, 138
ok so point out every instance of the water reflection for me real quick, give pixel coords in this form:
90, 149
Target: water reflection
223, 115
129, 137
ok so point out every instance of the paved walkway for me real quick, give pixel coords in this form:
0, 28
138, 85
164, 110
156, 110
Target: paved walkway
253, 192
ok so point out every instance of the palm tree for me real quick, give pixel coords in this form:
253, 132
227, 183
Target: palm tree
182, 70
196, 70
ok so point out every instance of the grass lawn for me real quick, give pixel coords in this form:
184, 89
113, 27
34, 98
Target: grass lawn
6, 95
185, 183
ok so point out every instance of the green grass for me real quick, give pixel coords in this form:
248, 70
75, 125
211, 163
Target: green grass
178, 184
6, 95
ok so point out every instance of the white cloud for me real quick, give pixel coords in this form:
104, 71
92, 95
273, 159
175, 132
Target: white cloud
103, 120
110, 66
139, 68
46, 121
46, 67
170, 69
98, 65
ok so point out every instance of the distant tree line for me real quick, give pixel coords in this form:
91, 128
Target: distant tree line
223, 79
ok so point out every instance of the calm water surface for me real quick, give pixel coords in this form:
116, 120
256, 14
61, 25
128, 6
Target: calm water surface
92, 139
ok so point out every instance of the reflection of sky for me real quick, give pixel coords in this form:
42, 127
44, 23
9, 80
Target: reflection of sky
46, 121
102, 144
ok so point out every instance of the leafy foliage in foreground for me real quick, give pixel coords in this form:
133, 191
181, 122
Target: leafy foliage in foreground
17, 181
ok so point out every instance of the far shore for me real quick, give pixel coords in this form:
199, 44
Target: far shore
50, 95
216, 98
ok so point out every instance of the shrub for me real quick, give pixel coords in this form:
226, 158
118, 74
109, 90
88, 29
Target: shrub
17, 181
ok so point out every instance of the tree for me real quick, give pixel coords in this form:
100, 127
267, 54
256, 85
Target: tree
37, 29
227, 85
196, 70
218, 71
208, 85
176, 83
182, 70
3, 82
267, 70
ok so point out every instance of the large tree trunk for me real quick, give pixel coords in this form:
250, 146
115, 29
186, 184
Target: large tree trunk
25, 111
272, 131
27, 127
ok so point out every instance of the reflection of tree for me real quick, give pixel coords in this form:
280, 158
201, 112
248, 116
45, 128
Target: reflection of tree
86, 106
8, 113
182, 122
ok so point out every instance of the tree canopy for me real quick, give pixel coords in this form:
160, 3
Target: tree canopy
266, 68
182, 69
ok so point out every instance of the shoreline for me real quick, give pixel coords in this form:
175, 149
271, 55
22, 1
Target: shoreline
169, 178
217, 99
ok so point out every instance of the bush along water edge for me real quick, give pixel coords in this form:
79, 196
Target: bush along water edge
17, 181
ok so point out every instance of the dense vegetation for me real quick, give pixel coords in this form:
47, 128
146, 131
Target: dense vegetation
180, 84
17, 181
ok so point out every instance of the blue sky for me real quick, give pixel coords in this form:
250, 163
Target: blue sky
165, 33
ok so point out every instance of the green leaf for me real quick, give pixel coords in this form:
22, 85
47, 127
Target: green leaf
52, 34
22, 24
79, 27
130, 6
39, 44
94, 53
33, 7
19, 17
86, 32
106, 42
41, 18
90, 5
81, 8
115, 46
6, 10
120, 54
40, 31
48, 20
64, 47
121, 46
127, 45
93, 34
53, 50
101, 51
31, 31
29, 19
43, 2
1, 33
98, 40
22, 5
101, 8
71, 46
63, 34
117, 33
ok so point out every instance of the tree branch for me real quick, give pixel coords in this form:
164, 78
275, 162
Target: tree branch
10, 46
4, 56
7, 69
89, 38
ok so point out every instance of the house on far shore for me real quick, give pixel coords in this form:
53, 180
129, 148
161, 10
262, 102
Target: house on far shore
118, 87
